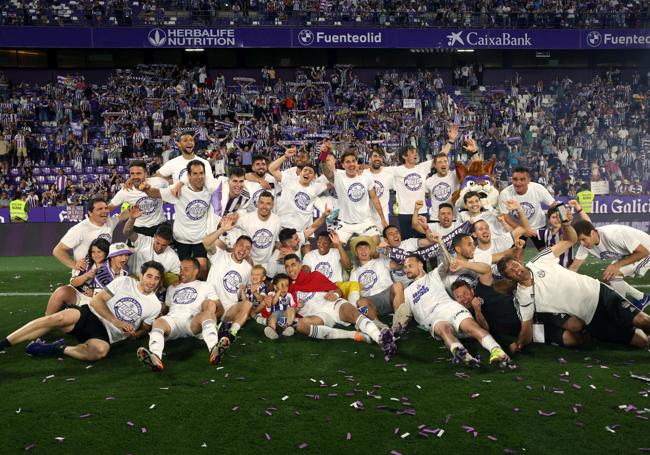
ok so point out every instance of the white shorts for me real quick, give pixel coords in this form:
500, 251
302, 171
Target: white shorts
327, 311
180, 326
637, 269
452, 313
347, 230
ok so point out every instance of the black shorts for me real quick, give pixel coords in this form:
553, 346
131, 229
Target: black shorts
148, 231
187, 251
553, 327
613, 318
88, 326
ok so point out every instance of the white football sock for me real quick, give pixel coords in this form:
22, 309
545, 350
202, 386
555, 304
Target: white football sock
209, 332
489, 343
157, 342
366, 326
620, 286
354, 297
322, 332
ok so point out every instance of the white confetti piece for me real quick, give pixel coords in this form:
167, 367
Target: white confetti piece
18, 411
284, 398
418, 386
440, 433
405, 435
152, 406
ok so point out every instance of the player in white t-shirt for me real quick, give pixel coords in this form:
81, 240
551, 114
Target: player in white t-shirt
191, 213
409, 182
293, 173
79, 237
176, 169
475, 211
263, 227
260, 181
329, 261
393, 238
151, 208
355, 193
378, 291
444, 223
531, 196
124, 309
440, 185
445, 318
627, 247
490, 248
464, 266
156, 248
383, 177
228, 271
296, 203
544, 286
192, 305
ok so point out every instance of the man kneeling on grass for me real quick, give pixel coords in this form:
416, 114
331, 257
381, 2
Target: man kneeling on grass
323, 308
125, 308
193, 311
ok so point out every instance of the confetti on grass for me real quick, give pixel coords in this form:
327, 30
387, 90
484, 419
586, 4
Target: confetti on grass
84, 416
267, 436
546, 414
59, 439
303, 445
29, 447
348, 436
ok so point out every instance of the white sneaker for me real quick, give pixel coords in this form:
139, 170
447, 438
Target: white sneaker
270, 333
287, 332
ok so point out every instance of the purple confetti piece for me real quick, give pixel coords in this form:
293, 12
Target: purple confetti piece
348, 436
268, 413
303, 445
468, 429
395, 452
234, 408
143, 430
491, 438
421, 426
475, 395
59, 439
267, 436
507, 450
447, 417
423, 434
83, 416
644, 449
516, 409
29, 447
562, 360
546, 414
129, 423
396, 430
110, 398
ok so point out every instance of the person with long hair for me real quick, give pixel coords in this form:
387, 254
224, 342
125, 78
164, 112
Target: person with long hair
80, 287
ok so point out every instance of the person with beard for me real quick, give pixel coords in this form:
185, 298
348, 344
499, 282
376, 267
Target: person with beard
383, 178
79, 237
152, 209
126, 308
254, 184
293, 173
191, 209
440, 185
176, 168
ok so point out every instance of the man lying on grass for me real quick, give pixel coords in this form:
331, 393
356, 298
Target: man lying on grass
125, 308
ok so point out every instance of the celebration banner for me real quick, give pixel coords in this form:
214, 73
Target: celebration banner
320, 37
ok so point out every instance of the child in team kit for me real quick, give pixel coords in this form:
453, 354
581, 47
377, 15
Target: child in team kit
255, 292
281, 307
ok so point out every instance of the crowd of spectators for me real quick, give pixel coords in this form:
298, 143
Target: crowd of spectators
427, 13
65, 141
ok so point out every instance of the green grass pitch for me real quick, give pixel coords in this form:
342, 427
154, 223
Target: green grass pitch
295, 395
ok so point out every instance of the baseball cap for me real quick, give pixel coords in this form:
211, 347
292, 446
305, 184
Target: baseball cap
118, 249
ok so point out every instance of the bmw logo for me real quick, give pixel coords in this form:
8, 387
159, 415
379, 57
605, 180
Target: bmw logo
594, 39
306, 37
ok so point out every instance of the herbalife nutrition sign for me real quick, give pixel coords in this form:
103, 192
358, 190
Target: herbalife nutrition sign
320, 37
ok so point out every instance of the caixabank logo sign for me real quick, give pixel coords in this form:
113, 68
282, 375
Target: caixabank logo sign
192, 37
489, 39
318, 38
617, 39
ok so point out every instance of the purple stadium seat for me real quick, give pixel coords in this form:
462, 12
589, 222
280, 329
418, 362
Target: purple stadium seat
44, 187
100, 169
120, 169
46, 171
74, 178
40, 179
15, 172
51, 178
88, 169
36, 171
67, 170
